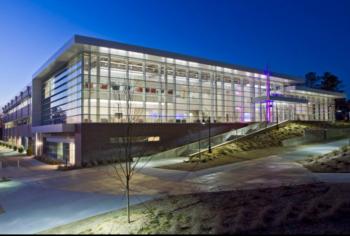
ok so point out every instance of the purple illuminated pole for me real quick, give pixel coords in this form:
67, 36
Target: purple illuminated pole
268, 101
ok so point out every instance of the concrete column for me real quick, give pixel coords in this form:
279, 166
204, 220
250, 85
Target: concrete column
78, 156
38, 144
72, 154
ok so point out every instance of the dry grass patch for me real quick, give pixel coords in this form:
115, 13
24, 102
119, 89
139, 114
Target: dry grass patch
337, 161
269, 138
260, 145
228, 159
244, 211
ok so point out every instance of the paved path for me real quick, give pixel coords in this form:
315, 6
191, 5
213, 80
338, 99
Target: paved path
40, 198
31, 208
272, 171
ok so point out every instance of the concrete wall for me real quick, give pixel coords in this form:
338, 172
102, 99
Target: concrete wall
96, 144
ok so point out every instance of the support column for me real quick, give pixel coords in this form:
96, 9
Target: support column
166, 91
260, 103
144, 95
161, 88
98, 88
233, 98
252, 94
216, 96
242, 102
213, 98
174, 93
223, 109
201, 110
38, 144
188, 99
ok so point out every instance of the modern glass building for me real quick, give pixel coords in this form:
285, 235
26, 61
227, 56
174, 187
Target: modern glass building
17, 119
89, 89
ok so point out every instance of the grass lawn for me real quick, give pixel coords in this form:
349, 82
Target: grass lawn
304, 209
236, 157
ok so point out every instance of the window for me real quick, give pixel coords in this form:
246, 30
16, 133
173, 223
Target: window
154, 139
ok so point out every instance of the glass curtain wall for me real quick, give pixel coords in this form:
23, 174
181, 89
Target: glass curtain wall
96, 87
164, 90
61, 95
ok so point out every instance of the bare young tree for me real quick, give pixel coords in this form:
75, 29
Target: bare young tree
128, 148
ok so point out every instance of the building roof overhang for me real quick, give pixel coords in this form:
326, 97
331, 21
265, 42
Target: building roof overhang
312, 91
80, 43
281, 98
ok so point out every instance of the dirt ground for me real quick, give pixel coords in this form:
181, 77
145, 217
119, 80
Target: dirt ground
304, 209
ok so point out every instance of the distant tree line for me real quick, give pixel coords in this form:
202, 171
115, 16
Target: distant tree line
327, 81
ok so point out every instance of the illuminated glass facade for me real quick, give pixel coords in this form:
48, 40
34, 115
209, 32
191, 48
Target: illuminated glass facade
61, 95
80, 99
97, 86
17, 119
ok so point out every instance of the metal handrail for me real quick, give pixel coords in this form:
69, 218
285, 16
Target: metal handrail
268, 126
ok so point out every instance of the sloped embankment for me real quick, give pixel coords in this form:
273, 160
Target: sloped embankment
269, 138
337, 161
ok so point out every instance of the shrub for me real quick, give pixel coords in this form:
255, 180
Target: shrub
29, 151
344, 148
335, 152
20, 149
14, 148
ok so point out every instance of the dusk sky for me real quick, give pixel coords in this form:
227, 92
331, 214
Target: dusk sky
292, 37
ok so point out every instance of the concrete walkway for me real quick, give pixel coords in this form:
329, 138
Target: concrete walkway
40, 198
269, 172
31, 208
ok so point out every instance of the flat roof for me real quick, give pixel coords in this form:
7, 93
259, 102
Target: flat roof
80, 43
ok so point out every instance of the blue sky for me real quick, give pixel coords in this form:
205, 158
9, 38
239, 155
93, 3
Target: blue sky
291, 36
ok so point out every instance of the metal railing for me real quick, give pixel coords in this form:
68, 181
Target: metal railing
246, 131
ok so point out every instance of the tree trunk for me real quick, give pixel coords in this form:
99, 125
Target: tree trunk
128, 199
